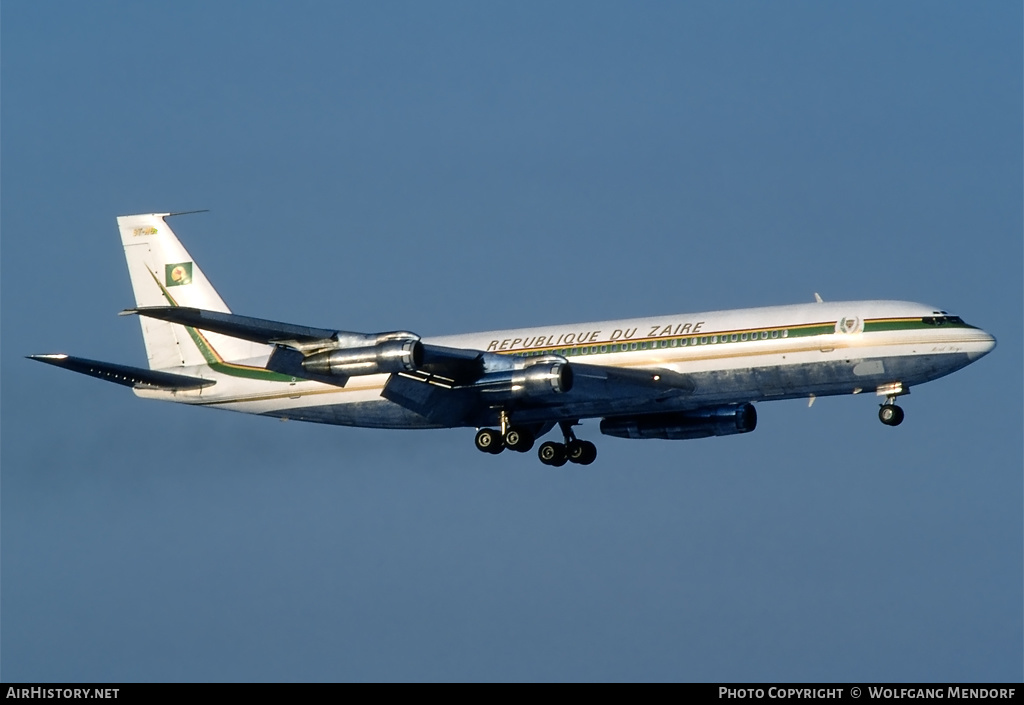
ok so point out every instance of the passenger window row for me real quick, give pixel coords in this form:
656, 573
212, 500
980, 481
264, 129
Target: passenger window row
687, 341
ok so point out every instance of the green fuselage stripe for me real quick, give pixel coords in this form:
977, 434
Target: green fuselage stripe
715, 338
216, 362
706, 338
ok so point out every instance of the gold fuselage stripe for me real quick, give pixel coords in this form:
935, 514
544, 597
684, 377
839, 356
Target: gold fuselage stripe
809, 345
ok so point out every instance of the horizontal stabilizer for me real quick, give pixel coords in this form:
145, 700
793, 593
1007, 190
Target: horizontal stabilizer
256, 330
135, 377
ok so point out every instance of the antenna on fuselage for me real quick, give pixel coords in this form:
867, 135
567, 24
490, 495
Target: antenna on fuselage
205, 210
817, 297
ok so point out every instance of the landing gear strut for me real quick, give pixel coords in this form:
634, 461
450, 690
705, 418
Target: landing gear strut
573, 450
888, 412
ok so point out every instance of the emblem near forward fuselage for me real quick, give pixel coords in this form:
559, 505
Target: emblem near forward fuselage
849, 325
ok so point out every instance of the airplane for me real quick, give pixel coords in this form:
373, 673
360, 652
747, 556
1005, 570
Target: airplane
672, 377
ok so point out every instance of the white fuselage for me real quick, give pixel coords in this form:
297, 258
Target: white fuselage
733, 356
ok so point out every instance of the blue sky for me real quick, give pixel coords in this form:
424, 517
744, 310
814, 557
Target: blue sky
451, 167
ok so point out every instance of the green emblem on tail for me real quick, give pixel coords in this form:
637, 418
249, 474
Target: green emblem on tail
178, 274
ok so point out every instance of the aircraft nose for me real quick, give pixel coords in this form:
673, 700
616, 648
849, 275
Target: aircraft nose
991, 344
986, 343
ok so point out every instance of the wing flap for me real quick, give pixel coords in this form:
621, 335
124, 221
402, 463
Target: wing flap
431, 399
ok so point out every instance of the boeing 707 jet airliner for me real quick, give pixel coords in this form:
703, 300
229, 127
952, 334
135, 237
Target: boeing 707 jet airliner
671, 377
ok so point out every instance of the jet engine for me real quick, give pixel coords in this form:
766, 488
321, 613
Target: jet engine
387, 356
539, 379
684, 425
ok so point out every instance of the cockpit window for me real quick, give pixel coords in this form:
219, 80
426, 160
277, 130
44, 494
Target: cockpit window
942, 320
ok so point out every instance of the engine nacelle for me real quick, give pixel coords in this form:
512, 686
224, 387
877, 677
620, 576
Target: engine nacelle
537, 380
385, 357
684, 425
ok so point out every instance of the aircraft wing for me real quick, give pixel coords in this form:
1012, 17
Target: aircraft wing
256, 330
295, 343
597, 390
448, 386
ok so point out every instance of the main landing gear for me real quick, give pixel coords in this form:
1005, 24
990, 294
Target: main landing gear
573, 450
514, 438
888, 412
489, 440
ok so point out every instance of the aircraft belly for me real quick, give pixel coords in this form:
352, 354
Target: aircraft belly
794, 376
343, 407
822, 378
367, 414
746, 384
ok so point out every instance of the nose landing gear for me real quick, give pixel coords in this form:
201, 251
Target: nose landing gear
888, 412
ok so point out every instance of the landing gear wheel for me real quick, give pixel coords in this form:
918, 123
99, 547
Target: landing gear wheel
581, 452
552, 453
489, 441
518, 440
890, 415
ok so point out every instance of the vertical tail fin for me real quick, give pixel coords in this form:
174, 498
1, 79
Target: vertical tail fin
163, 273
